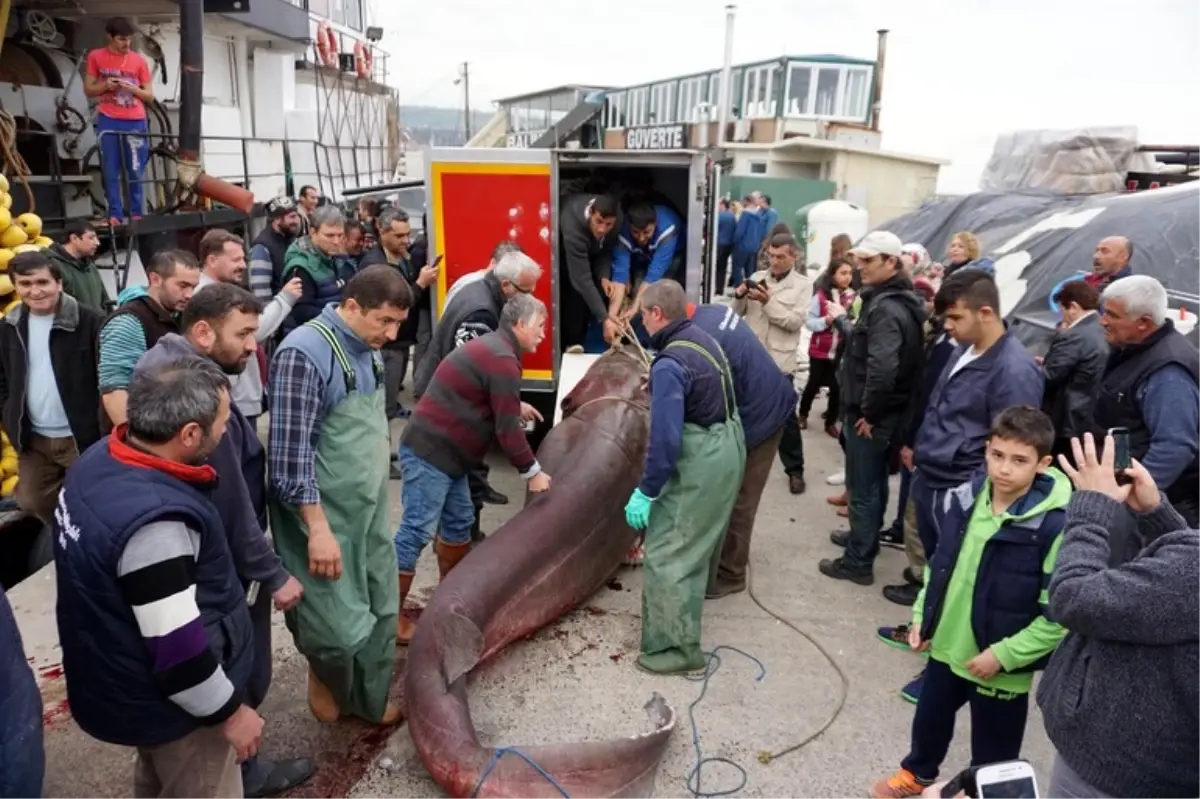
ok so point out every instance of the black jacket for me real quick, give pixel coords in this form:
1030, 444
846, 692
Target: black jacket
407, 335
588, 259
1074, 366
882, 366
475, 312
74, 353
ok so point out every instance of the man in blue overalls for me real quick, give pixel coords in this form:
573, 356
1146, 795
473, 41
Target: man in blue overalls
649, 248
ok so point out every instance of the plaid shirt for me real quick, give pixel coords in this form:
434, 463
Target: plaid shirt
296, 388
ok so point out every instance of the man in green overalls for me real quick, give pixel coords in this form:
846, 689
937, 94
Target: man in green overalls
328, 457
694, 465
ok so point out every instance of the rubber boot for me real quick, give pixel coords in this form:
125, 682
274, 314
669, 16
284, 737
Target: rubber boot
404, 627
320, 700
449, 555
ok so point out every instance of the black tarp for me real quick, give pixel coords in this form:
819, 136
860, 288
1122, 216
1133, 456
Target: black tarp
1040, 240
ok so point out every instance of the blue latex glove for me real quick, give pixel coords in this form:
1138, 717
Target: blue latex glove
637, 510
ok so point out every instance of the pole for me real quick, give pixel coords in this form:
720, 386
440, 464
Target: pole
191, 99
726, 77
466, 79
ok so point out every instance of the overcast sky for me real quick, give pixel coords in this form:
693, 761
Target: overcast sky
958, 71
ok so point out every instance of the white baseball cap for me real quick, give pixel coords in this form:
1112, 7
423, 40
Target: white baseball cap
878, 242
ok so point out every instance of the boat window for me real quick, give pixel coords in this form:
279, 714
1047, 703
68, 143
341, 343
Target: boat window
827, 88
799, 83
831, 91
354, 16
639, 100
615, 114
856, 82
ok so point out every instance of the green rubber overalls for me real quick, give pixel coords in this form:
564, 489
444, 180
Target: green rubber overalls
684, 536
347, 627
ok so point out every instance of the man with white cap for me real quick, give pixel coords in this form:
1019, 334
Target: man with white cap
881, 370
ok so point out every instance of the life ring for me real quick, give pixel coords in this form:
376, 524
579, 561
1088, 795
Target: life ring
362, 60
326, 44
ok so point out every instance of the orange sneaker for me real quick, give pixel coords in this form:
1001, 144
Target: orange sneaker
898, 786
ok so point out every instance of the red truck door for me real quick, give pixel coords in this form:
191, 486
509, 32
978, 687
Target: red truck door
479, 197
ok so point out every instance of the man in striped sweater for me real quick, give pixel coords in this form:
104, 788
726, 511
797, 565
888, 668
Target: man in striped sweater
156, 635
473, 399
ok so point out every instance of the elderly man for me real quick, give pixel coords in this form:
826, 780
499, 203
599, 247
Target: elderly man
775, 303
503, 248
328, 465
220, 324
475, 312
694, 464
1150, 388
473, 400
313, 259
157, 642
1110, 262
766, 402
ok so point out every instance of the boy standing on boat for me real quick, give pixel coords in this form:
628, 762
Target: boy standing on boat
121, 79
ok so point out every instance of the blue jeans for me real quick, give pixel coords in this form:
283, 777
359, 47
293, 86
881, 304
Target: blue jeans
867, 462
430, 498
122, 155
745, 264
931, 512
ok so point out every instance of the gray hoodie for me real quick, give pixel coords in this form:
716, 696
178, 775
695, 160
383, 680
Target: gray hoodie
1121, 694
240, 495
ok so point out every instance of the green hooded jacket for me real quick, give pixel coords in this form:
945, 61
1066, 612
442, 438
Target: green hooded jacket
954, 641
81, 280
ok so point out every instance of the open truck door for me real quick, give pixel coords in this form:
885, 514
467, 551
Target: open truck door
479, 197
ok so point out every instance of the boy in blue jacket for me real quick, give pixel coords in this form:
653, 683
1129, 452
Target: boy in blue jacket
982, 613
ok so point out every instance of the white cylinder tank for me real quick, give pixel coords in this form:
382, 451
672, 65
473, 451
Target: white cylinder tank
819, 222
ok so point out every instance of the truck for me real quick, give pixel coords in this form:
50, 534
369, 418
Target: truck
478, 197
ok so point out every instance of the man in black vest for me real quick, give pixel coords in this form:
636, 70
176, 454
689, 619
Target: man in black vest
269, 247
474, 312
144, 316
1151, 386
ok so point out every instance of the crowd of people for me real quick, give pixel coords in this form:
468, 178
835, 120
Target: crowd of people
137, 428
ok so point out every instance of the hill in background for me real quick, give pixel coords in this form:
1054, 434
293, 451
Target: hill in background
427, 124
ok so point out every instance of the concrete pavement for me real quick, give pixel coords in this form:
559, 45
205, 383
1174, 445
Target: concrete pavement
575, 680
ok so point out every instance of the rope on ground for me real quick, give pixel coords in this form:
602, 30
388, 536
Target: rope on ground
711, 665
11, 162
512, 750
765, 756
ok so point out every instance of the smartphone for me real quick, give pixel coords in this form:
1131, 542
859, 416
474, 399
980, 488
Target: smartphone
437, 261
1121, 456
1013, 779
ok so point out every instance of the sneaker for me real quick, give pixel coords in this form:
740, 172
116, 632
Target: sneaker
890, 538
912, 691
836, 479
896, 636
900, 785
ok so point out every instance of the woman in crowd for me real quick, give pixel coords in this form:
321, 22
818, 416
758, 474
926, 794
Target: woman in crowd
833, 286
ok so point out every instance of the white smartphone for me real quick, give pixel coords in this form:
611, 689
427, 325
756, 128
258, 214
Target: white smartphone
1013, 779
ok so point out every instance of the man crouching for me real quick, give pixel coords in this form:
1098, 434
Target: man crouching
473, 399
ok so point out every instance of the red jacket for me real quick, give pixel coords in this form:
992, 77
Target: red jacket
823, 344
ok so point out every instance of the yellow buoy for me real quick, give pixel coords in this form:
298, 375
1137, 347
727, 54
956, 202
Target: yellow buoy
5, 200
5, 219
31, 224
11, 305
6, 285
6, 255
3, 184
27, 247
8, 486
8, 465
43, 241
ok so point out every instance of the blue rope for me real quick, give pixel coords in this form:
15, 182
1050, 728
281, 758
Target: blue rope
710, 668
711, 665
505, 750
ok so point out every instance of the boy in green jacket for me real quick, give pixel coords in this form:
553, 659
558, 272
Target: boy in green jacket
982, 613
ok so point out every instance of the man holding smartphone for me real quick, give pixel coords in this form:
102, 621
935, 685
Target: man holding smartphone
121, 79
